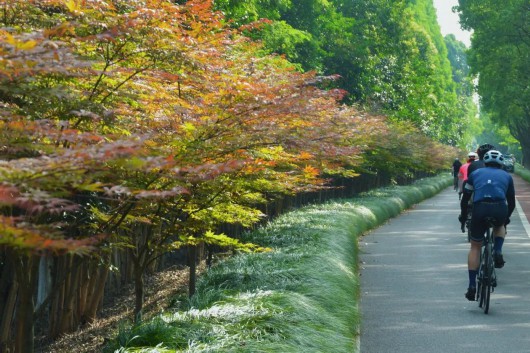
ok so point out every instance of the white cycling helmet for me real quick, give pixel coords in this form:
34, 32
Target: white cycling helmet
472, 155
494, 156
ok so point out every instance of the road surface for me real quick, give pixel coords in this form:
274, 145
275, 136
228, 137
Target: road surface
414, 276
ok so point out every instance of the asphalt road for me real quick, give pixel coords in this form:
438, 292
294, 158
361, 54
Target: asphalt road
413, 280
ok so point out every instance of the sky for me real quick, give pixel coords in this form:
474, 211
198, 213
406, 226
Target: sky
449, 21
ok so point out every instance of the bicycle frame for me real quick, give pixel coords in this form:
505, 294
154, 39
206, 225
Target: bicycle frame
486, 278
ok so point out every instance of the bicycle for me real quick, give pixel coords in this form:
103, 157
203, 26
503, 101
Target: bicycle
486, 277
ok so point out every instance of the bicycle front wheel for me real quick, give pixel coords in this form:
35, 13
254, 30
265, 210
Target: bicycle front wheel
481, 286
484, 280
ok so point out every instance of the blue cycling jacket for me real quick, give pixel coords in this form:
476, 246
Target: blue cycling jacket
491, 184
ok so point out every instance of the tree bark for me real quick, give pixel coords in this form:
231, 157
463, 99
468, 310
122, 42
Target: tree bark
7, 319
96, 290
69, 319
8, 296
140, 260
44, 284
84, 281
138, 290
192, 263
519, 129
58, 300
26, 275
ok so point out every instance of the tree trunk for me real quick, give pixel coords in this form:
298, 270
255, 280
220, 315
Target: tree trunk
519, 129
209, 256
84, 281
96, 289
58, 300
7, 319
192, 263
69, 319
92, 278
8, 296
525, 149
44, 285
138, 290
26, 275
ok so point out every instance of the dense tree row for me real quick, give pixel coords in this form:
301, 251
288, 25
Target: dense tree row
390, 56
499, 58
471, 126
131, 129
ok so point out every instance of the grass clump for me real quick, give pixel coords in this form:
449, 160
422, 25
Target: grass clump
300, 297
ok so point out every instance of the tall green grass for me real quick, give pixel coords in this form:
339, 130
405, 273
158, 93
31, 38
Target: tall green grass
300, 297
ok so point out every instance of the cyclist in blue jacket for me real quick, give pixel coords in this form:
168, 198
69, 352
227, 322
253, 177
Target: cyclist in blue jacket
493, 195
476, 164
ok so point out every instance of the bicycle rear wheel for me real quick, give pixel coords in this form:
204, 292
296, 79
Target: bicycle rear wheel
488, 270
488, 288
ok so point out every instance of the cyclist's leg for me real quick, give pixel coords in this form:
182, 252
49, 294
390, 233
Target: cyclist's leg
473, 257
477, 225
500, 212
477, 230
499, 232
498, 240
473, 261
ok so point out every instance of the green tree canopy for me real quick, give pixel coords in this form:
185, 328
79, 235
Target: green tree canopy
499, 58
390, 56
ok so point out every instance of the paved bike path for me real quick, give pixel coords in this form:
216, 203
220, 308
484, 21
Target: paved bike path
522, 190
414, 276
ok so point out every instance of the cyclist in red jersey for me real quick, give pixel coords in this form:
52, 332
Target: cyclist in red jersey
462, 173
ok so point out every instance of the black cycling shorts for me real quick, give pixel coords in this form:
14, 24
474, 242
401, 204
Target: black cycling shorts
497, 210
